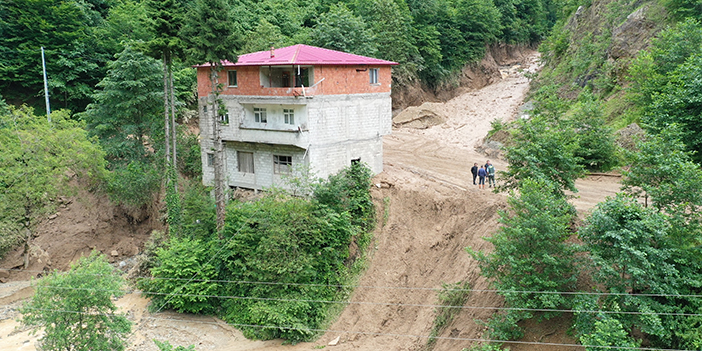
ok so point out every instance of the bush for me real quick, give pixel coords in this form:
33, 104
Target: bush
348, 191
135, 185
184, 275
297, 246
76, 308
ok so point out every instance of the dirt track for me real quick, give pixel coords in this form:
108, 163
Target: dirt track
434, 213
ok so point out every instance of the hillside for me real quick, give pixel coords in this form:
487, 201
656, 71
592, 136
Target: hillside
428, 213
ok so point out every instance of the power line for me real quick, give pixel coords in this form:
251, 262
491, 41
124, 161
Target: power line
497, 291
231, 297
240, 325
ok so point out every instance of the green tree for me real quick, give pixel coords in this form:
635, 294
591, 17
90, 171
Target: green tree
339, 29
212, 36
631, 252
542, 150
531, 252
595, 140
125, 112
76, 308
65, 29
37, 162
126, 23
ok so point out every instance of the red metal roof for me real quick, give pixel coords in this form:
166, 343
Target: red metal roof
301, 54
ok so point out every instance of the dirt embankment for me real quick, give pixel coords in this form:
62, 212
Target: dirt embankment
82, 223
473, 76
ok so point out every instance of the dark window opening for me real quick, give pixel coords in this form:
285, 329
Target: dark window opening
282, 164
355, 161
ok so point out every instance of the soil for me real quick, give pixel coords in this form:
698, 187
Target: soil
428, 211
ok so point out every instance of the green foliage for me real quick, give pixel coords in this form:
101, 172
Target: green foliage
125, 113
210, 33
185, 277
348, 191
627, 244
339, 29
289, 241
531, 253
37, 162
126, 23
74, 57
166, 346
76, 308
199, 219
543, 151
595, 141
685, 8
486, 347
607, 332
134, 185
174, 206
189, 154
452, 297
287, 254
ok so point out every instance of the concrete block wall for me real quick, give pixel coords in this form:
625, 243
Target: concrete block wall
328, 159
264, 175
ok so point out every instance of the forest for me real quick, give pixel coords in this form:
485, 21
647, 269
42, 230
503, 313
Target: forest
122, 92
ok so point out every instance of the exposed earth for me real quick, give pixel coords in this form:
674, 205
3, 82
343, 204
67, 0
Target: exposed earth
429, 212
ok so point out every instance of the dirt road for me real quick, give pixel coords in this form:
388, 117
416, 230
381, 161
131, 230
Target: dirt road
429, 212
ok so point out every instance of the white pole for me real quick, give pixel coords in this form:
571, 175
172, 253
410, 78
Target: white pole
46, 86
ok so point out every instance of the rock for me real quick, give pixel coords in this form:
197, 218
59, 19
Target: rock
631, 36
335, 341
4, 275
53, 216
114, 253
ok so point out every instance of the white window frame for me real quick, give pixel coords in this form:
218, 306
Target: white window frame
374, 74
289, 116
229, 78
282, 164
260, 115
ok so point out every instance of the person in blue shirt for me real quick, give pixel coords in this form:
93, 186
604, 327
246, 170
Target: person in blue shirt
482, 174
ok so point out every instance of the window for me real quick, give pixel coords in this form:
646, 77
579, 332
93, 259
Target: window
224, 118
210, 159
373, 72
245, 161
260, 115
232, 78
204, 109
289, 116
285, 76
282, 164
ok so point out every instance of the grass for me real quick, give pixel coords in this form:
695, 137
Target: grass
452, 297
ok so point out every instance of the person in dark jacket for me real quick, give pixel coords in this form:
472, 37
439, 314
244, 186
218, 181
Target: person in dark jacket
474, 171
482, 174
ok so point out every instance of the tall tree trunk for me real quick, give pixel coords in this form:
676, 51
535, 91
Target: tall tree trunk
165, 109
218, 149
174, 134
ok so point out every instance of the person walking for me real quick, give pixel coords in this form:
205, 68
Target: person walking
481, 174
490, 170
474, 171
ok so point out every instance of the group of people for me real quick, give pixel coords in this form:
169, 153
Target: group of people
486, 171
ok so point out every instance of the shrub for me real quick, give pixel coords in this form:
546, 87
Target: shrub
135, 185
76, 308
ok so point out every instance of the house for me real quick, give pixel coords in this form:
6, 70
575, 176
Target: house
293, 108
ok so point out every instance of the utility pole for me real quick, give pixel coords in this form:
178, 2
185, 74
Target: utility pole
46, 86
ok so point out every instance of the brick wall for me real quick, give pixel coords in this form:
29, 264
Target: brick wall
337, 80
